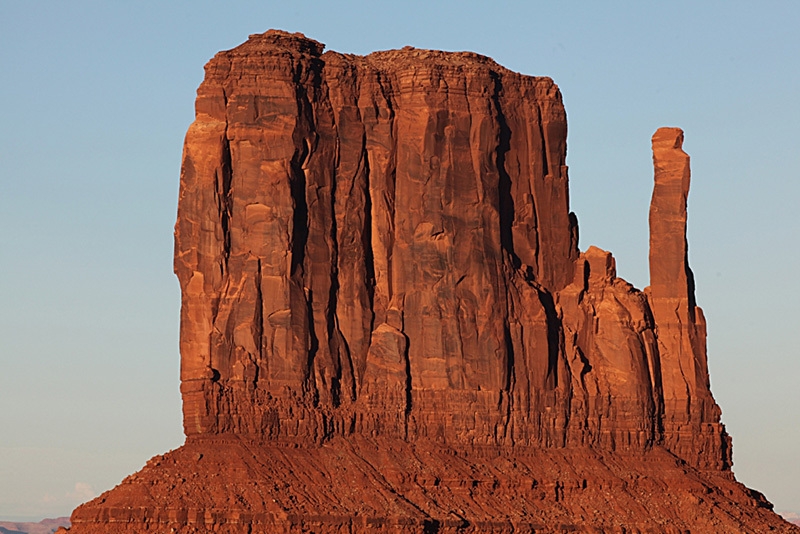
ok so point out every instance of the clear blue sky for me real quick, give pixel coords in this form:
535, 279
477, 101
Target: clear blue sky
96, 98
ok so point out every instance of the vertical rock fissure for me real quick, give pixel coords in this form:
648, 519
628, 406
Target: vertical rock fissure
543, 135
408, 389
510, 381
333, 295
541, 196
369, 257
258, 322
300, 209
391, 183
656, 387
574, 234
506, 200
313, 344
554, 336
690, 285
300, 226
224, 197
322, 110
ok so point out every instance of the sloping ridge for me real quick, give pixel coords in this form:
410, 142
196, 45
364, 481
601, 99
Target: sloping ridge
387, 324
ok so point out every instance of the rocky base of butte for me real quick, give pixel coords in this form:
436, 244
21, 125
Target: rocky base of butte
387, 324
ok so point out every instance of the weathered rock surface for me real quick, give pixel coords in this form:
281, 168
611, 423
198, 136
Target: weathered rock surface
387, 325
373, 233
691, 417
357, 484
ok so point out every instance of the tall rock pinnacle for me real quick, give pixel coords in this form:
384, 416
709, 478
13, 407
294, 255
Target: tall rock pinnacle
670, 276
691, 417
387, 325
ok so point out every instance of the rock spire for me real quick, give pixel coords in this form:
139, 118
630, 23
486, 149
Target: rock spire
691, 417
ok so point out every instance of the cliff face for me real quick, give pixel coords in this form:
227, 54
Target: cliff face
363, 241
380, 275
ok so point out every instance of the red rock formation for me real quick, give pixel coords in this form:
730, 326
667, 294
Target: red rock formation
403, 214
611, 346
387, 326
355, 484
691, 417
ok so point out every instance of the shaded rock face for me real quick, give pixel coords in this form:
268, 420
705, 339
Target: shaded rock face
387, 325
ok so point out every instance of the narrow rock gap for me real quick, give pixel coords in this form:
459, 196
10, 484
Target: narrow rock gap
369, 256
543, 135
300, 222
258, 322
334, 339
409, 395
224, 197
506, 200
300, 214
391, 181
553, 338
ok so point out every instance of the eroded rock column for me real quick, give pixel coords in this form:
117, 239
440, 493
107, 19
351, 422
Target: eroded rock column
691, 427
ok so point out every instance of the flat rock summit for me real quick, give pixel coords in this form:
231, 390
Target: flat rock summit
387, 325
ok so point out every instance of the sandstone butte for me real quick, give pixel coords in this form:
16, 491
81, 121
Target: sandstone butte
387, 325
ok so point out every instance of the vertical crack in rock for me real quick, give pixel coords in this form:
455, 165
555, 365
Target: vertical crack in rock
543, 137
300, 217
303, 333
369, 258
409, 396
224, 201
554, 347
258, 325
506, 207
334, 340
391, 180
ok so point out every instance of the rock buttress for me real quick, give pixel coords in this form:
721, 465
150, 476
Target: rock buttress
373, 233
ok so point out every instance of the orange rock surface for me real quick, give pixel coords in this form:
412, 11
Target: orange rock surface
387, 325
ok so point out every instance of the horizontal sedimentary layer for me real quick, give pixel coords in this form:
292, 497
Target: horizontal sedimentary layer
385, 485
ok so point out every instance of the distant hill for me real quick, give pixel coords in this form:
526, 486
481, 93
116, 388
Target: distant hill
45, 526
791, 517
